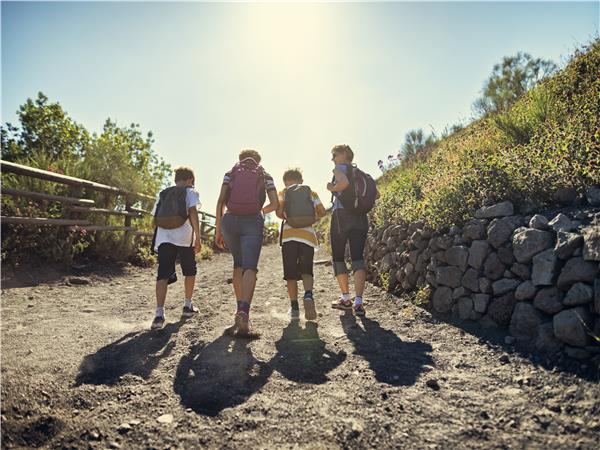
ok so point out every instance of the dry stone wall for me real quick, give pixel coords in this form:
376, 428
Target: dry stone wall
537, 275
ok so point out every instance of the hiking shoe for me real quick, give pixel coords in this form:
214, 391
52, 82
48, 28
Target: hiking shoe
157, 323
294, 314
189, 312
310, 312
243, 327
359, 309
342, 304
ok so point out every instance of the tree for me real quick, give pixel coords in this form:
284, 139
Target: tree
414, 141
509, 80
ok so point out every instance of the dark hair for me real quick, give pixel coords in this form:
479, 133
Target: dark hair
183, 174
249, 153
292, 175
343, 149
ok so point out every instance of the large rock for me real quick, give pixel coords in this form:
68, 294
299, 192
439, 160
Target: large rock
480, 303
457, 256
474, 229
470, 280
592, 194
566, 195
448, 276
477, 253
498, 210
465, 307
562, 223
521, 270
538, 222
500, 309
529, 242
576, 269
387, 262
591, 246
485, 285
504, 285
567, 243
525, 291
493, 267
525, 321
442, 299
499, 231
544, 269
506, 256
546, 341
549, 300
460, 292
570, 326
579, 294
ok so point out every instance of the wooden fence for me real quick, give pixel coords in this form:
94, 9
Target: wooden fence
76, 208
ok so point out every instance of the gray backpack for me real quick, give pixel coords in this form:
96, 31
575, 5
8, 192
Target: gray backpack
299, 207
171, 211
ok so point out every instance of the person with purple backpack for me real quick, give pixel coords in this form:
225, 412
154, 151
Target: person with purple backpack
353, 193
243, 192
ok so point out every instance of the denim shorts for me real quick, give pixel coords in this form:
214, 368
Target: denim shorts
243, 236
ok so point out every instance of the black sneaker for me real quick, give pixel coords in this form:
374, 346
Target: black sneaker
189, 312
157, 323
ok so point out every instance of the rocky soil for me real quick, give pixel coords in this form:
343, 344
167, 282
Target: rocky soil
81, 369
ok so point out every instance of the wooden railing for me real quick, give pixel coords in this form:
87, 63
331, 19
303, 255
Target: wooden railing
76, 208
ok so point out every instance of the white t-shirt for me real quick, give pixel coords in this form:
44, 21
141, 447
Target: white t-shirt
182, 236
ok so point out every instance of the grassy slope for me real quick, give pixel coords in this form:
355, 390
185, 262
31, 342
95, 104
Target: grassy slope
549, 139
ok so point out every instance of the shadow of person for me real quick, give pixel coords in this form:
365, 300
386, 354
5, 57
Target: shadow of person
219, 375
137, 353
392, 360
302, 355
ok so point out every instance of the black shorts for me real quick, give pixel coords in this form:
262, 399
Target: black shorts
167, 255
297, 260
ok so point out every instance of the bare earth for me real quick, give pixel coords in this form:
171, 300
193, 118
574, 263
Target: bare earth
80, 369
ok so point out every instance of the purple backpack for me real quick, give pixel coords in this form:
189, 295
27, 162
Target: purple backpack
359, 197
246, 189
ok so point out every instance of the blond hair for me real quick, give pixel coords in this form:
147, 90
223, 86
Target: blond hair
343, 149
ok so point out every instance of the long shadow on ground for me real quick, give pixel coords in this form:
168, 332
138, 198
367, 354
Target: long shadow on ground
302, 355
219, 375
392, 360
135, 353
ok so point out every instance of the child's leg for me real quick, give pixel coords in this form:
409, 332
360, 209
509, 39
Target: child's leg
292, 288
308, 282
190, 282
161, 293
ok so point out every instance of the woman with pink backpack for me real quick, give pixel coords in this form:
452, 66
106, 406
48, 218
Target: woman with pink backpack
243, 192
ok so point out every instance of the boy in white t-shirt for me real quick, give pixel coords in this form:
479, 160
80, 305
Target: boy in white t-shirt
182, 241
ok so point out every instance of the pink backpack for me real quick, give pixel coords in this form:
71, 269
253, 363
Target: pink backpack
247, 193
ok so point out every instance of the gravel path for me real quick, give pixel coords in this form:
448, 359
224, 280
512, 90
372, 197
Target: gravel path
80, 369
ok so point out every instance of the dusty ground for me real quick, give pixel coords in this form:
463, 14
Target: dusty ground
80, 369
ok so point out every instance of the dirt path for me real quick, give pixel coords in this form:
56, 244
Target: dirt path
81, 370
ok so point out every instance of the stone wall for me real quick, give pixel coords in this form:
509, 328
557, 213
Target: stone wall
536, 275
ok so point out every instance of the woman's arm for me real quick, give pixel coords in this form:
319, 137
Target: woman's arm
274, 202
341, 182
219, 241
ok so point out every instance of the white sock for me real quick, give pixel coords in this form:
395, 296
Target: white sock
357, 300
160, 311
187, 303
345, 297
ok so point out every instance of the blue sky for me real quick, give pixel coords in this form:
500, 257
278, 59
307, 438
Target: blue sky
290, 80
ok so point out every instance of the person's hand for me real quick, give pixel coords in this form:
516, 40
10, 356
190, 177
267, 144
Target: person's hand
197, 245
330, 186
220, 241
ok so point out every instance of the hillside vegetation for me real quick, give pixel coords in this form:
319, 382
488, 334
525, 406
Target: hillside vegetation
549, 139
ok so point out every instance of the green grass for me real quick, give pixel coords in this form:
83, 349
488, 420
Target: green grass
549, 139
